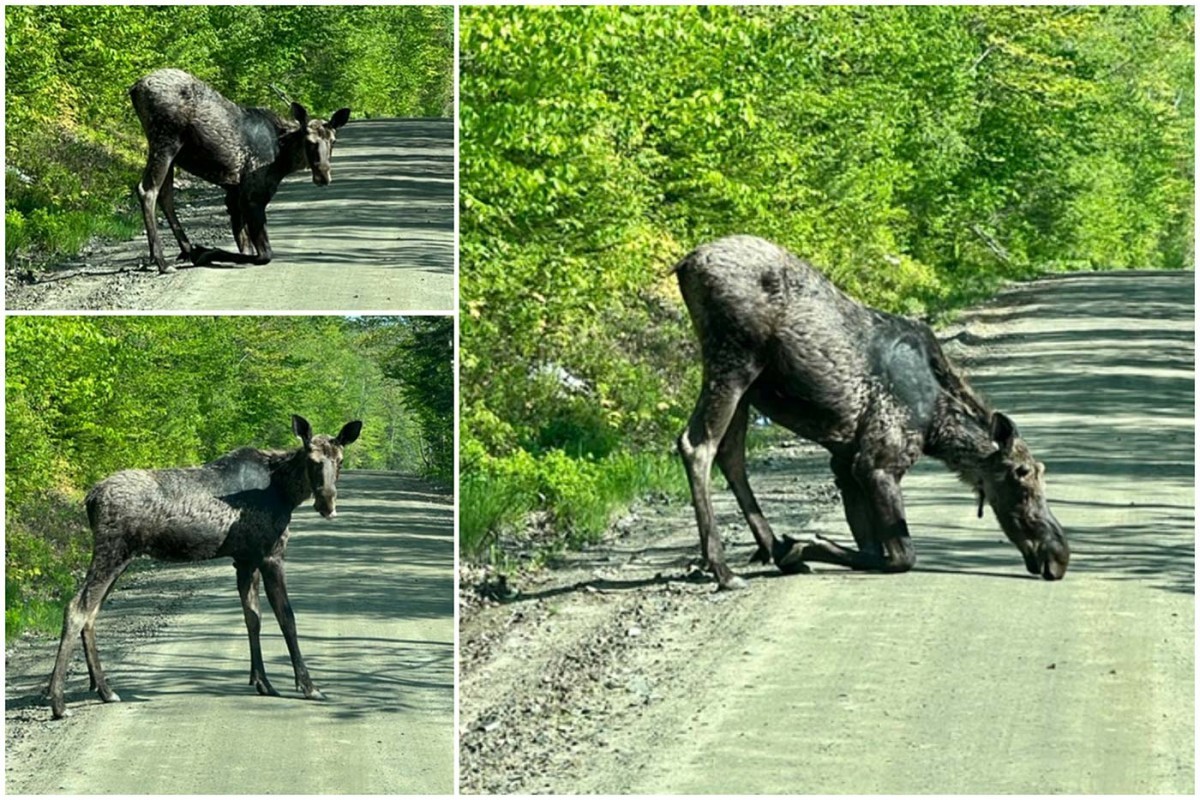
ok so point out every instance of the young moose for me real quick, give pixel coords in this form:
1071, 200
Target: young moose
872, 388
237, 506
247, 151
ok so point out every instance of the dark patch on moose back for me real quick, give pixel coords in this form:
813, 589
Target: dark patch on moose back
899, 358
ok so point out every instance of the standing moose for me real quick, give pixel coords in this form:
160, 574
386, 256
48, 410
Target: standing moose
872, 388
247, 151
237, 506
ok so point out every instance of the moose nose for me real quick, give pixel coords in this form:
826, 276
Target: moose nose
321, 178
1054, 552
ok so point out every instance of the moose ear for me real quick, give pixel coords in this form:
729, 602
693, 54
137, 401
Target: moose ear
339, 118
301, 428
300, 114
349, 432
1004, 431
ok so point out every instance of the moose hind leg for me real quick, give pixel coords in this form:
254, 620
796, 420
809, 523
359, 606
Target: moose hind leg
698, 446
276, 585
247, 580
102, 590
167, 199
80, 615
73, 617
158, 164
731, 458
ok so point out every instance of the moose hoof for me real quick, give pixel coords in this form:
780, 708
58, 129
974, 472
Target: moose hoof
789, 557
265, 689
60, 713
313, 693
761, 556
166, 269
732, 584
110, 697
202, 256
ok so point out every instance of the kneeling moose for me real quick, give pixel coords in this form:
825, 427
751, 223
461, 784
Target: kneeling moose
872, 388
237, 506
247, 151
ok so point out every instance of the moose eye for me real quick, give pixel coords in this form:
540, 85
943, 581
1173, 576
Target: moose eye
1022, 471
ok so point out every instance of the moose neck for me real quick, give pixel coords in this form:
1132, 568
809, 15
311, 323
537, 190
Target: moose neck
289, 475
960, 435
291, 157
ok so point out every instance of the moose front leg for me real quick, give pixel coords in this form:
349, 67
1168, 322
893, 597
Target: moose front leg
276, 586
875, 511
247, 221
256, 221
237, 221
247, 578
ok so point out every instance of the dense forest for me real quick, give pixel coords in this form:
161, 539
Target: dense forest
920, 156
87, 396
74, 148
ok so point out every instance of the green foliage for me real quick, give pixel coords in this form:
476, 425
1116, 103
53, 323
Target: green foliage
74, 148
583, 494
919, 155
87, 396
46, 551
419, 359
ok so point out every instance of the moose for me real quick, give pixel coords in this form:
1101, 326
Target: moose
237, 506
247, 151
872, 388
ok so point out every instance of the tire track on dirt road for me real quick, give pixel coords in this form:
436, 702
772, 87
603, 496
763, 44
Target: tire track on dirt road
373, 594
615, 674
379, 237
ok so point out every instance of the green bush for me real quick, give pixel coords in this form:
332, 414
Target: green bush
582, 494
47, 547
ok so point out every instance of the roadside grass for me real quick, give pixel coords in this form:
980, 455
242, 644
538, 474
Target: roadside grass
580, 496
45, 235
47, 547
64, 188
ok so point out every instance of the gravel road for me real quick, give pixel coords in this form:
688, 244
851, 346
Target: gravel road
373, 594
379, 237
617, 672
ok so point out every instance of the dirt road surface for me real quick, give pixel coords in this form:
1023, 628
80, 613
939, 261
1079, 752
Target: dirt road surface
616, 673
373, 595
379, 237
